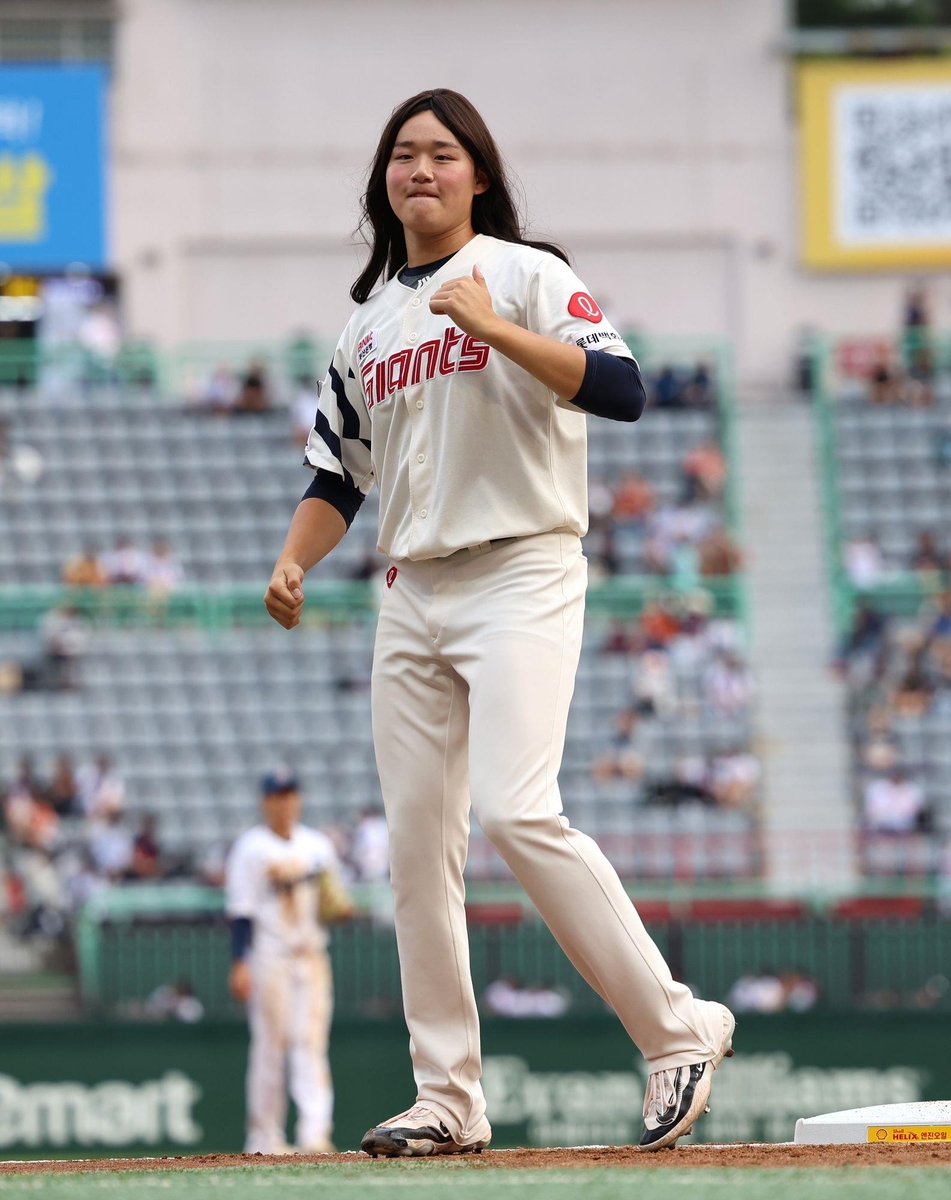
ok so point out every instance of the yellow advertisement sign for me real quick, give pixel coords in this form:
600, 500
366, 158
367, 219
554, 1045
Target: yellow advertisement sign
875, 163
909, 1133
24, 183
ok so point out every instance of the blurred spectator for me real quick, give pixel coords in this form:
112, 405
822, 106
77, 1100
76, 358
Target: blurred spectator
939, 622
912, 696
64, 642
657, 625
625, 758
727, 686
689, 783
673, 526
803, 361
254, 394
221, 394
884, 385
370, 565
85, 570
917, 345
29, 818
668, 390
879, 752
605, 559
111, 844
600, 505
863, 562
927, 558
101, 788
371, 846
63, 790
718, 555
620, 639
146, 855
162, 572
868, 631
766, 992
633, 499
124, 563
20, 466
506, 998
704, 471
698, 392
893, 804
733, 778
653, 685
176, 1001
303, 410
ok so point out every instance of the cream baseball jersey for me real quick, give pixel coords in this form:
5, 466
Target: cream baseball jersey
274, 881
464, 445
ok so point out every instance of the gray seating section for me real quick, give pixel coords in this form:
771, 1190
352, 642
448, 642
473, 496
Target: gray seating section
192, 720
221, 490
894, 481
894, 473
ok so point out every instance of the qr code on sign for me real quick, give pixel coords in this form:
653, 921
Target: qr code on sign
893, 160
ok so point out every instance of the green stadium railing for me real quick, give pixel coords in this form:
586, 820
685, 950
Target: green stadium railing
141, 370
857, 963
217, 609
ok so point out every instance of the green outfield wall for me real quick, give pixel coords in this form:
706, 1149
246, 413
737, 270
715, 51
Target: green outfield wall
101, 1089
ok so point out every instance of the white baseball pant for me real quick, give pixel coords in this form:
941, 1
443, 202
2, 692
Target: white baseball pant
289, 1014
473, 673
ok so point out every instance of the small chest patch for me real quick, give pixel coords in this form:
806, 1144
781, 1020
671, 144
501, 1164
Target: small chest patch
366, 345
391, 576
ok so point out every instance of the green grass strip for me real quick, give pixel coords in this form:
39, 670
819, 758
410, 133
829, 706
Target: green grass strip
448, 1181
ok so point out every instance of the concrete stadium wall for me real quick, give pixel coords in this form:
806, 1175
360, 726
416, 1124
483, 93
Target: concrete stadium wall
654, 138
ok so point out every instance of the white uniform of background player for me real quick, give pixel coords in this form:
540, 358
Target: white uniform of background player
481, 470
273, 881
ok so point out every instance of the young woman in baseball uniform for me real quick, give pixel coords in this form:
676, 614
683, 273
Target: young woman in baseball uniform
460, 388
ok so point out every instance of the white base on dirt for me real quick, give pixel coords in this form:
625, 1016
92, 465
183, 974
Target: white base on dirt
927, 1122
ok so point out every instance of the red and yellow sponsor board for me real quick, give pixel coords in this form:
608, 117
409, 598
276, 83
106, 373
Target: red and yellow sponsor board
909, 1133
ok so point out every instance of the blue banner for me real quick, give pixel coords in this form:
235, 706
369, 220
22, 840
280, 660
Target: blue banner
52, 167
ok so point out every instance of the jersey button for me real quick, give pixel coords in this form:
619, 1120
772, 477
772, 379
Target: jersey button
419, 404
413, 337
424, 513
420, 457
416, 303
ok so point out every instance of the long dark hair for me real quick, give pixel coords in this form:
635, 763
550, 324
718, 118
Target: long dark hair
493, 211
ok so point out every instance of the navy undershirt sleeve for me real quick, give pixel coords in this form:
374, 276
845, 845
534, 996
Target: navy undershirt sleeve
336, 491
612, 387
241, 932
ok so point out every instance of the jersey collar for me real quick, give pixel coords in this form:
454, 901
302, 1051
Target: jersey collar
461, 263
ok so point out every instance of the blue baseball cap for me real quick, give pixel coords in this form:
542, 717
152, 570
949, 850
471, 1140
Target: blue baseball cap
281, 779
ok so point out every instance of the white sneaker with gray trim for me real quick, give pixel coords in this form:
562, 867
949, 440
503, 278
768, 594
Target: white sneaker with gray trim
416, 1133
676, 1097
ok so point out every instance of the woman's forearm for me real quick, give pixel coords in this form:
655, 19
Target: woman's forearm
315, 529
558, 365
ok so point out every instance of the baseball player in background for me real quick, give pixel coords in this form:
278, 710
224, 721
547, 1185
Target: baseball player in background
460, 388
279, 876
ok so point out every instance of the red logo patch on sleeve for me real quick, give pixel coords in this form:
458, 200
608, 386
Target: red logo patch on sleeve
583, 305
390, 576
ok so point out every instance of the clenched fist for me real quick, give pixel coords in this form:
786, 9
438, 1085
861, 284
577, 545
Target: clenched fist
467, 303
284, 598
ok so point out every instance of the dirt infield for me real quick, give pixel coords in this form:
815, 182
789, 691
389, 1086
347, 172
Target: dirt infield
787, 1155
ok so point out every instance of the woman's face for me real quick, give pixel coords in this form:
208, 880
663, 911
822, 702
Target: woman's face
431, 179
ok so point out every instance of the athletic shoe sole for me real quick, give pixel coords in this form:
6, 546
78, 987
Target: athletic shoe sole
384, 1143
